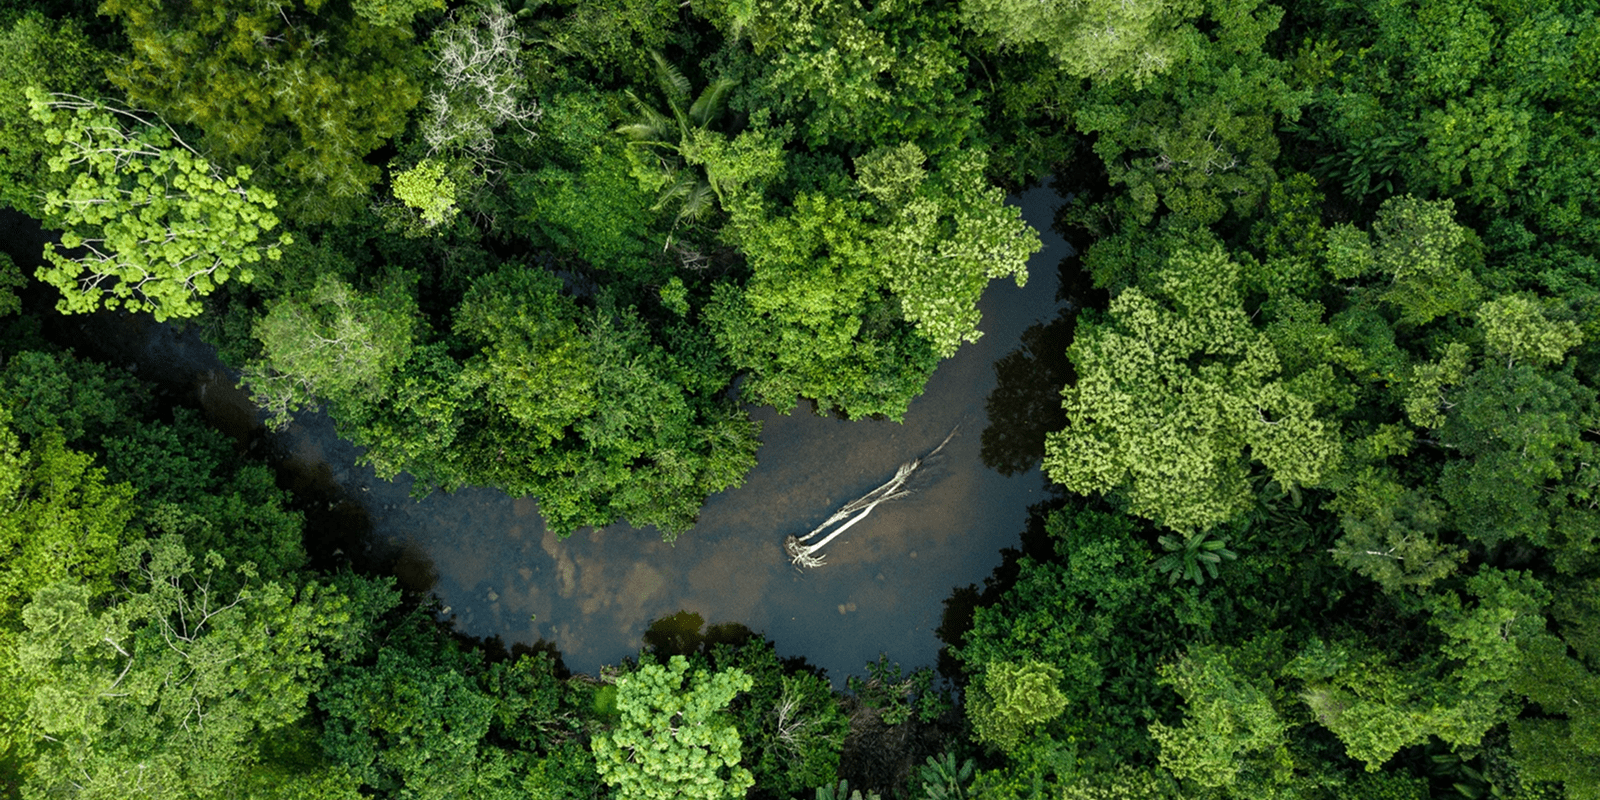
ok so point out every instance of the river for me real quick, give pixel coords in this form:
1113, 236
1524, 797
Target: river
497, 571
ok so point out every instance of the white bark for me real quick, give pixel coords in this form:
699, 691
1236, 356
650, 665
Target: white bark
803, 555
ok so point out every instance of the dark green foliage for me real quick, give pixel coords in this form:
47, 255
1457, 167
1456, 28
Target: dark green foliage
84, 399
53, 56
301, 92
790, 721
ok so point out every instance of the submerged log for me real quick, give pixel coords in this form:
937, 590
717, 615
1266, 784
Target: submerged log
804, 555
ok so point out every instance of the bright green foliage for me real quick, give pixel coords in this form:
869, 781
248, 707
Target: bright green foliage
334, 342
672, 741
535, 363
1231, 735
1517, 327
1107, 40
425, 189
158, 223
1427, 258
393, 13
1013, 700
1125, 783
1378, 705
1171, 391
174, 683
62, 522
839, 281
300, 91
53, 56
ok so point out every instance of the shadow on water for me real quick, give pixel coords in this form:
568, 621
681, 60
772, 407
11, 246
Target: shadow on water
1025, 405
500, 577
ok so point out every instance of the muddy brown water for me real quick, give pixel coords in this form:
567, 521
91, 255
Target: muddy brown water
499, 572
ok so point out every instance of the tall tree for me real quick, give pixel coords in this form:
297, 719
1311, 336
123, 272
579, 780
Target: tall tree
150, 223
300, 92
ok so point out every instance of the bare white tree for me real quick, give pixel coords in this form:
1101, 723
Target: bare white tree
478, 83
803, 555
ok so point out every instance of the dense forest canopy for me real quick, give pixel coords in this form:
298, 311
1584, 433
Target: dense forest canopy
1326, 477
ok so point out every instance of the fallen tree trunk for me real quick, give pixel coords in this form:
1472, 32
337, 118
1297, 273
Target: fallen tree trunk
804, 555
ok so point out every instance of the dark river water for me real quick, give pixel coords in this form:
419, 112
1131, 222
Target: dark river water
498, 572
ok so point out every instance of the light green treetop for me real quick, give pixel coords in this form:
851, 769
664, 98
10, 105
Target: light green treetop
157, 224
427, 190
1101, 39
1013, 700
167, 690
333, 343
671, 741
1516, 327
1172, 390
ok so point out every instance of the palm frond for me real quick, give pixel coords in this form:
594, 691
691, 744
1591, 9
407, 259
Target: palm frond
711, 102
680, 184
697, 203
652, 127
672, 81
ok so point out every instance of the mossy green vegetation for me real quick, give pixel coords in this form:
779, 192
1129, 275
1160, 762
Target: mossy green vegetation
1325, 517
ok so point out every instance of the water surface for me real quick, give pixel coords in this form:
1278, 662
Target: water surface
498, 571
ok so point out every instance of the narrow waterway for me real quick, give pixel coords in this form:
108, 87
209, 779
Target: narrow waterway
498, 572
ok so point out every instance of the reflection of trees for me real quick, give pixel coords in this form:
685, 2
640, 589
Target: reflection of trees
1026, 401
679, 635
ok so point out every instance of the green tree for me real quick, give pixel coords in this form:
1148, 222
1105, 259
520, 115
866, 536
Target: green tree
1106, 40
168, 689
1457, 689
670, 140
1200, 140
852, 77
853, 300
1173, 390
63, 522
334, 342
50, 55
300, 92
156, 222
413, 724
1558, 675
1232, 736
1013, 700
672, 741
535, 363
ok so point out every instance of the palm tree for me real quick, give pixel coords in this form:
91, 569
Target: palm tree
1185, 557
671, 136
